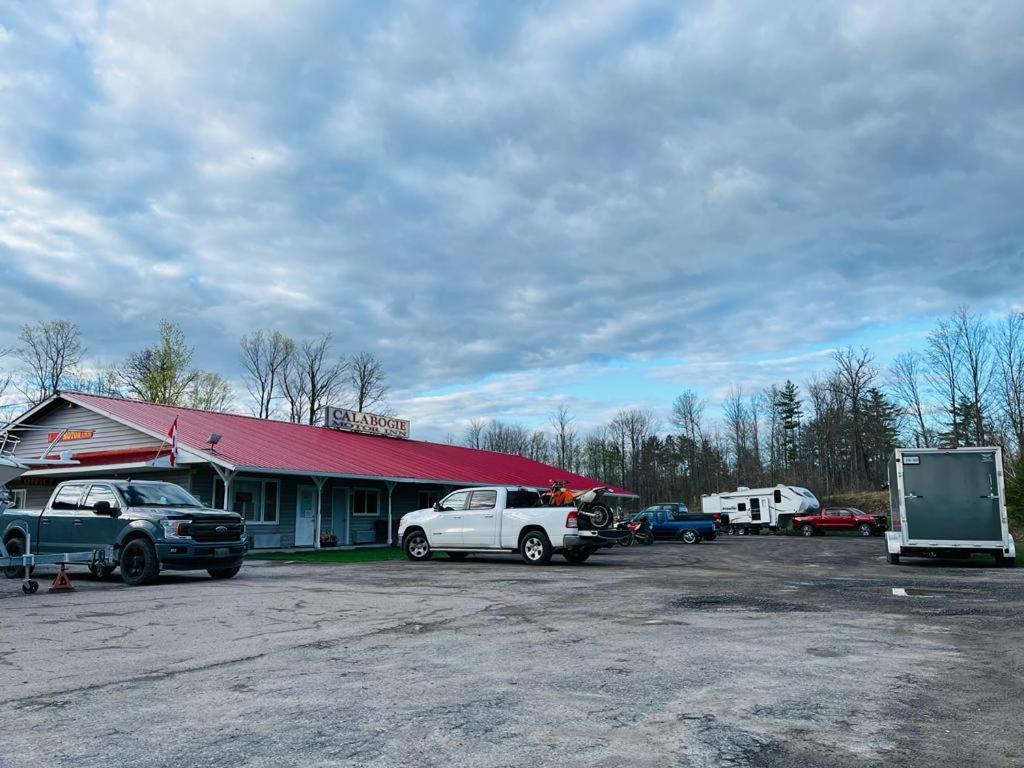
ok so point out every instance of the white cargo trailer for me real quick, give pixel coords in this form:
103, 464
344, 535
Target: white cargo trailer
948, 503
749, 510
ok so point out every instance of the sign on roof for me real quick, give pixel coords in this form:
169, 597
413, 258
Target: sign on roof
368, 423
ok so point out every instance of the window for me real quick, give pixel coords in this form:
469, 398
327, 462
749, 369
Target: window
427, 499
366, 502
778, 496
256, 499
523, 498
455, 502
101, 493
741, 507
67, 497
18, 499
157, 495
483, 500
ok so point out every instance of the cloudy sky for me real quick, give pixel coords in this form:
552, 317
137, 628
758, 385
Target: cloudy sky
514, 203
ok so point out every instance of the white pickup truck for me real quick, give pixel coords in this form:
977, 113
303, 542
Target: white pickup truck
501, 519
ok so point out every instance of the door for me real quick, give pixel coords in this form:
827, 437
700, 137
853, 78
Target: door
339, 515
480, 521
305, 520
93, 531
838, 518
755, 510
446, 527
952, 496
57, 524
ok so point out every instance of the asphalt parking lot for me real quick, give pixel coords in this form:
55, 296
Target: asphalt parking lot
767, 651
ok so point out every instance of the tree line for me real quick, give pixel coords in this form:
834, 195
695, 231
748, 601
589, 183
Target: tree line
833, 433
283, 377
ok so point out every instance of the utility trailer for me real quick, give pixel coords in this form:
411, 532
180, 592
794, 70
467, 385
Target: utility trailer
15, 565
948, 503
20, 565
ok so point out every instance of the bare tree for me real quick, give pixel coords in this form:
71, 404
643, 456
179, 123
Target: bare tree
313, 379
506, 438
367, 381
856, 372
944, 360
976, 353
905, 376
565, 437
737, 421
1010, 353
474, 434
265, 359
50, 352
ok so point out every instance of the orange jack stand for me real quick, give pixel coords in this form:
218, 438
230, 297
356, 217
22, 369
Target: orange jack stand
61, 582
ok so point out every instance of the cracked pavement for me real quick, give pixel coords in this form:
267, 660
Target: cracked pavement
754, 651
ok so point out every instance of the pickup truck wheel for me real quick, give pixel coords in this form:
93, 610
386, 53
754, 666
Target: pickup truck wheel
689, 537
535, 548
416, 547
16, 548
576, 556
806, 529
139, 564
865, 529
223, 573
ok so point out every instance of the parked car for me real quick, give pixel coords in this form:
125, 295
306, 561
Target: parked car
840, 519
501, 519
688, 527
151, 526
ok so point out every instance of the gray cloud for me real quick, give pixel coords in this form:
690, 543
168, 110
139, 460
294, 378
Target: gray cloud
479, 188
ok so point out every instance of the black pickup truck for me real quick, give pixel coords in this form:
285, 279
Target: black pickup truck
151, 526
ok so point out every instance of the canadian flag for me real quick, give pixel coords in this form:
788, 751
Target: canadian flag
172, 437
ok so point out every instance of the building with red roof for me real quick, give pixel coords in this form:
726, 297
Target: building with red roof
290, 481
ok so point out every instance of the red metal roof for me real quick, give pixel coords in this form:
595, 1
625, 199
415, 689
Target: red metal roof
249, 442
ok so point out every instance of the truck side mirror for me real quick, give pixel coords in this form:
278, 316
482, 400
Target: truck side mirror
437, 506
103, 508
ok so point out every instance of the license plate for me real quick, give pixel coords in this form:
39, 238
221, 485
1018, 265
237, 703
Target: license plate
221, 552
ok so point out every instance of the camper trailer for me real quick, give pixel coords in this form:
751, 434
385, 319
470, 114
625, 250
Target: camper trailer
948, 503
749, 510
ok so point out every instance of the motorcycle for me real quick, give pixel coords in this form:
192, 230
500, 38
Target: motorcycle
639, 533
587, 503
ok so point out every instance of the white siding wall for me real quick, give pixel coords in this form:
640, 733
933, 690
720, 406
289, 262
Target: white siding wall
108, 435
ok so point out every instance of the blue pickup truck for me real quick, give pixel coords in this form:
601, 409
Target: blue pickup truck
676, 522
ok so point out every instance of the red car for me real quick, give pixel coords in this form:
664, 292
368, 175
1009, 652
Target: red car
841, 519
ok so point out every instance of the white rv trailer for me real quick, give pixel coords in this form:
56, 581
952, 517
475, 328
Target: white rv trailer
749, 510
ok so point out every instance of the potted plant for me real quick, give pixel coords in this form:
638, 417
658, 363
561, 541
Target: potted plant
328, 540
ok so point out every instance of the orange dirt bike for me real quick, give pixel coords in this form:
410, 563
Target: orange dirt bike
587, 503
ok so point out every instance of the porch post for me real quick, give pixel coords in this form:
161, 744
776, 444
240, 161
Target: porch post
391, 487
319, 482
226, 476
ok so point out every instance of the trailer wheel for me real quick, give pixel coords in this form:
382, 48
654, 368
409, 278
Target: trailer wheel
30, 587
806, 529
16, 548
892, 559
